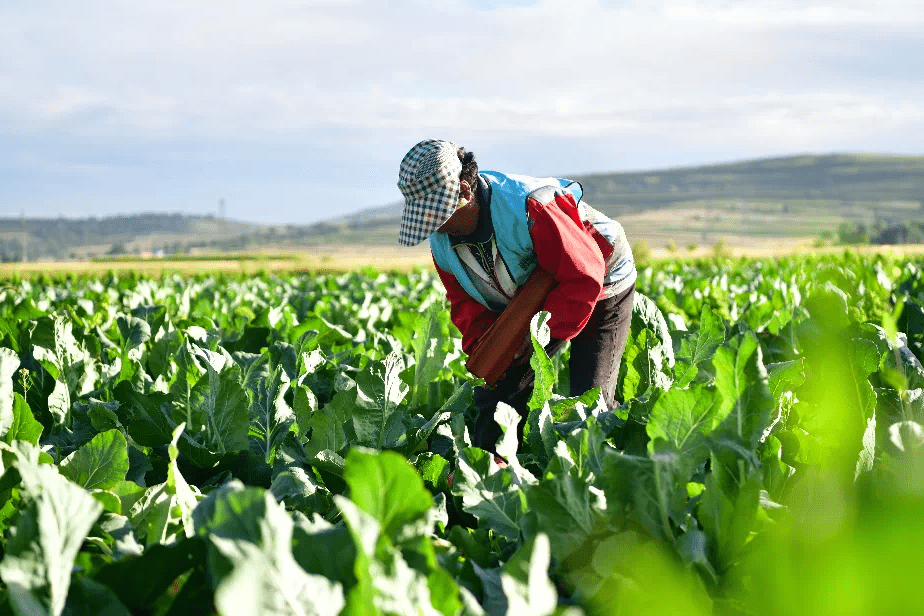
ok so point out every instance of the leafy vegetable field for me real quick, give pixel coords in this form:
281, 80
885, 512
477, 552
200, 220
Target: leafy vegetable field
283, 445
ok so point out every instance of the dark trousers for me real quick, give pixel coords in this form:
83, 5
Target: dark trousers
595, 356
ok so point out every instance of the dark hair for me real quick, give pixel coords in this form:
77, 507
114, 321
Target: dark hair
469, 167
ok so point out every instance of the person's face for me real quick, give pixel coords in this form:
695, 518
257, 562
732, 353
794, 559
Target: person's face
464, 219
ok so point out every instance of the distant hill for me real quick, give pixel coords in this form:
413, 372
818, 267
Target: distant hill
764, 200
849, 178
59, 238
761, 201
768, 200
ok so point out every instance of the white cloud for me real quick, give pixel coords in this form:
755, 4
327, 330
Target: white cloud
236, 68
346, 77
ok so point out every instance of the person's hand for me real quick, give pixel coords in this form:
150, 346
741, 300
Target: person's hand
524, 351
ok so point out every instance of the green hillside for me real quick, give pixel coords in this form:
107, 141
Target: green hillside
795, 198
845, 178
59, 238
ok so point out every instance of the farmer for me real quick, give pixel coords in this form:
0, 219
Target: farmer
487, 232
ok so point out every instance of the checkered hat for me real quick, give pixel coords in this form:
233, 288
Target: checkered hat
429, 181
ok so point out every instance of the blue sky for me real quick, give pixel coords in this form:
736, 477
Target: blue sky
295, 112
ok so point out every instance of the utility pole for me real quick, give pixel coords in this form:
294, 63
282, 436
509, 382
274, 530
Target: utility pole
22, 228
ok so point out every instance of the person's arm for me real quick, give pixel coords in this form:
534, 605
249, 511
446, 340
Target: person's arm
570, 254
472, 319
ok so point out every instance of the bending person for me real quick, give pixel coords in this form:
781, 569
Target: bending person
488, 230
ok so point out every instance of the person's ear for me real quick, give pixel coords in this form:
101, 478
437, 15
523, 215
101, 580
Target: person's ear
465, 193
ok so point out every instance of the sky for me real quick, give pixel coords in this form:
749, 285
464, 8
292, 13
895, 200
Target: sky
294, 112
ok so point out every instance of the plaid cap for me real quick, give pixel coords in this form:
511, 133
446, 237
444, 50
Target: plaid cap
429, 181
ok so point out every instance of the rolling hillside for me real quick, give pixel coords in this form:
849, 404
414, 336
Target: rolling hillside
769, 201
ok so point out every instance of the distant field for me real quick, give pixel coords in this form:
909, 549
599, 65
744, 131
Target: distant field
319, 259
384, 258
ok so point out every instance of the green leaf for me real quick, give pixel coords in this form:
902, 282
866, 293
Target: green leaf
152, 426
587, 446
270, 582
684, 417
489, 493
265, 578
134, 331
221, 399
296, 484
741, 382
325, 428
561, 506
868, 454
647, 315
324, 549
434, 470
386, 584
698, 346
837, 401
525, 579
271, 417
827, 305
644, 577
458, 403
100, 464
649, 356
139, 582
693, 547
166, 511
377, 419
9, 364
233, 511
26, 310
24, 426
541, 437
654, 487
183, 495
103, 416
41, 550
785, 376
644, 365
539, 361
728, 518
68, 361
154, 316
684, 373
128, 492
86, 596
431, 345
508, 419
387, 487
